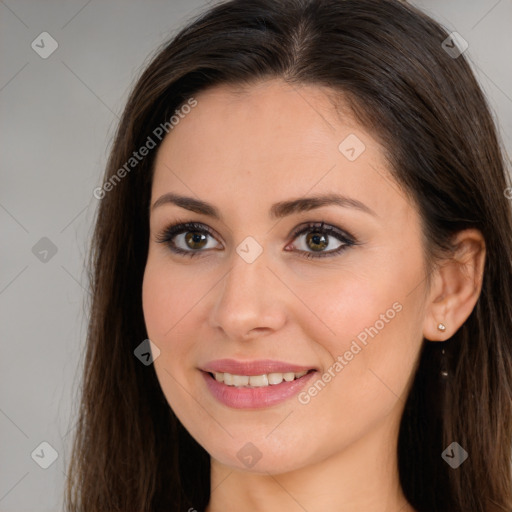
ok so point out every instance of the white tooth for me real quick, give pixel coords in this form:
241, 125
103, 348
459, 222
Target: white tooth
240, 380
275, 378
258, 380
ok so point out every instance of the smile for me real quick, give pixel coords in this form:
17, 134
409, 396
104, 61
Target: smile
255, 391
257, 381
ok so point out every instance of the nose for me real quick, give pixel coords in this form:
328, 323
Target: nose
250, 300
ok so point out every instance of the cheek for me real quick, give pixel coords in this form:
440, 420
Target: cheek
367, 363
151, 300
168, 296
165, 315
165, 301
174, 319
371, 324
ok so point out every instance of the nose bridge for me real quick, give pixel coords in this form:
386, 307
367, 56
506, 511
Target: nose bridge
248, 270
248, 297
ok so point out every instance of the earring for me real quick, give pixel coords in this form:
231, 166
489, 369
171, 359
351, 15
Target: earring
444, 369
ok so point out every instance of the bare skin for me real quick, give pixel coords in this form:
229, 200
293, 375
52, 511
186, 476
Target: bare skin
243, 153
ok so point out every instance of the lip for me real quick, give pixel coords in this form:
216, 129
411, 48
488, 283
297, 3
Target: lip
256, 367
258, 397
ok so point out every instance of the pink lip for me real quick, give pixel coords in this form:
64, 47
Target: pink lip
254, 398
258, 367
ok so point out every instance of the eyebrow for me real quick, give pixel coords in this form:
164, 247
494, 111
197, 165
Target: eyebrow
277, 211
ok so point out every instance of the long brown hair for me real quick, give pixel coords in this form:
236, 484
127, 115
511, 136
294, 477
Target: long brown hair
389, 61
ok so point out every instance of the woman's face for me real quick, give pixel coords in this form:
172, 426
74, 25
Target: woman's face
352, 312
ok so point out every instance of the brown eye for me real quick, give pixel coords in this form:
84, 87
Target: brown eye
316, 241
195, 240
187, 238
319, 237
192, 239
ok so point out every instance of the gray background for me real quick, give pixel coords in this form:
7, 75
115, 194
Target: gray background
57, 119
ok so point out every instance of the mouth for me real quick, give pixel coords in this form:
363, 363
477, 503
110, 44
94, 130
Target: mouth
253, 390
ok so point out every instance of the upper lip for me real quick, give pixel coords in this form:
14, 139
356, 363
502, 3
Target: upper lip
256, 367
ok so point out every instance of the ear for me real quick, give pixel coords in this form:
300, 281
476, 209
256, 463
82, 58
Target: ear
456, 286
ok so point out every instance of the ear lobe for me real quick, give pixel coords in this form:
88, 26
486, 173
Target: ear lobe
456, 286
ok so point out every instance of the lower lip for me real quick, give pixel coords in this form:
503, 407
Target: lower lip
258, 397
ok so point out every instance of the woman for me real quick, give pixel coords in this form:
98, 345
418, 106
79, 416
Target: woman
305, 211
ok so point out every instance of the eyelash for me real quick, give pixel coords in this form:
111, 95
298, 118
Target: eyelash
171, 231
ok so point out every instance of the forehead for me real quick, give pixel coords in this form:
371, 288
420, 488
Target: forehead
268, 141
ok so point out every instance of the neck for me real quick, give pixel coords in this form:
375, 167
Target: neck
362, 477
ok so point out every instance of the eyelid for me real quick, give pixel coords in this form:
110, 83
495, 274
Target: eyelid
322, 226
180, 227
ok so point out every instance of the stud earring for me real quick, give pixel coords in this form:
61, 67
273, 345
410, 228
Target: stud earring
441, 327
